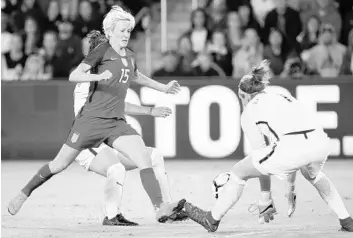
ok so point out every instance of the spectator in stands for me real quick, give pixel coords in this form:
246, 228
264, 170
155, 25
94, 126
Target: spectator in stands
234, 31
286, 19
186, 56
13, 62
170, 65
261, 9
326, 58
278, 51
5, 33
293, 68
86, 21
53, 16
327, 11
249, 55
203, 3
310, 35
28, 8
32, 36
247, 17
205, 67
65, 10
217, 12
199, 33
34, 69
10, 6
347, 26
220, 52
49, 53
347, 67
69, 49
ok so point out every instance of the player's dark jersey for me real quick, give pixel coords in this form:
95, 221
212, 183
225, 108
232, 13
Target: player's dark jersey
107, 97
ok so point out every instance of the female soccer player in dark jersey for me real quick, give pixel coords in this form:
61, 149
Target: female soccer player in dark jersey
113, 67
112, 164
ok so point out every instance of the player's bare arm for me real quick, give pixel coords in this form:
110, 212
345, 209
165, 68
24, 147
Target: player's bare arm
81, 74
172, 87
133, 109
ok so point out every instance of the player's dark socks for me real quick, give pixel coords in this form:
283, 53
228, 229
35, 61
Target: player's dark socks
179, 216
202, 217
347, 224
118, 220
41, 177
167, 210
151, 186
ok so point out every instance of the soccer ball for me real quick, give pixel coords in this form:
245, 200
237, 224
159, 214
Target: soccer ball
218, 182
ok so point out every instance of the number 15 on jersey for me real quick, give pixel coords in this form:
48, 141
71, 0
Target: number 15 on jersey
124, 77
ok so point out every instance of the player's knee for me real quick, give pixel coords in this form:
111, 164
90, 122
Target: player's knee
157, 158
237, 179
57, 165
312, 177
117, 172
57, 168
143, 160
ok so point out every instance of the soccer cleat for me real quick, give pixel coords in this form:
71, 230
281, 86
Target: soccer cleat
16, 203
347, 224
202, 217
168, 209
292, 203
118, 220
179, 216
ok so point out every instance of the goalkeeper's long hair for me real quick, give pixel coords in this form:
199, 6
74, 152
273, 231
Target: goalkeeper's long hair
257, 79
95, 38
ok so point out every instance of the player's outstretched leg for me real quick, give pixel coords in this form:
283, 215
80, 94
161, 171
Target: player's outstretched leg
330, 195
231, 193
134, 148
63, 159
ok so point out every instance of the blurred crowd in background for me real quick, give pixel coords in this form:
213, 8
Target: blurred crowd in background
299, 37
46, 39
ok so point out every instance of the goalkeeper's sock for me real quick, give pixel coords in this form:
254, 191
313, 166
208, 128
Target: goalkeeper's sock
231, 193
113, 189
43, 175
330, 195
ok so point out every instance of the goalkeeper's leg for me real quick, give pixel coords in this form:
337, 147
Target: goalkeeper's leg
329, 194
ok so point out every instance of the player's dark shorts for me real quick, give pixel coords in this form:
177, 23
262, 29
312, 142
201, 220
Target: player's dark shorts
90, 132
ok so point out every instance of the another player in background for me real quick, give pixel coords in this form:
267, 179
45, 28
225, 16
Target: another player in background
100, 160
113, 67
302, 145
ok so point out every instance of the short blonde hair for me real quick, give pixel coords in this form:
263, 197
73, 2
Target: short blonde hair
113, 16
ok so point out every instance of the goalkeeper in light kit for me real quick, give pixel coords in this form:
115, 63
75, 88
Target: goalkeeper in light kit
301, 144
